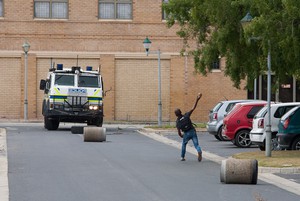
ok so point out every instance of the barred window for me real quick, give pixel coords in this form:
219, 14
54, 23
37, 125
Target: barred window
216, 65
115, 9
52, 9
1, 8
164, 14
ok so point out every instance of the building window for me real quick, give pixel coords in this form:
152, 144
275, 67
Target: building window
164, 14
115, 9
1, 8
52, 9
216, 65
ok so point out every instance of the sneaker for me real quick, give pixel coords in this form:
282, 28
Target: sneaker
182, 159
199, 156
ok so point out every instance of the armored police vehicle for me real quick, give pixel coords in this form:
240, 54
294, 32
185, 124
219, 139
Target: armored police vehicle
72, 95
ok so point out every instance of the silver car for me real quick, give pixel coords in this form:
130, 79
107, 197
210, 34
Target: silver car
216, 116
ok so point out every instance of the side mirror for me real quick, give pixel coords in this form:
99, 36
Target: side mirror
107, 91
42, 84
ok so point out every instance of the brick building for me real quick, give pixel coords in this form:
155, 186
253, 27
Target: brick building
109, 33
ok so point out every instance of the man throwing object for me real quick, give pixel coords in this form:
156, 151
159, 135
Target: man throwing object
184, 123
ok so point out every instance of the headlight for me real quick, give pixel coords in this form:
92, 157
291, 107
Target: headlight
93, 107
58, 106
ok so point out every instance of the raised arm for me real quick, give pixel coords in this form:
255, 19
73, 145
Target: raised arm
196, 103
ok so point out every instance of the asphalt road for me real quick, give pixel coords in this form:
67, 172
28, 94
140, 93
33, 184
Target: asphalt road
58, 165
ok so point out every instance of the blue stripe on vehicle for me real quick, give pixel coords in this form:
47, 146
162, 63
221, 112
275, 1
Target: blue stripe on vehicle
58, 97
95, 98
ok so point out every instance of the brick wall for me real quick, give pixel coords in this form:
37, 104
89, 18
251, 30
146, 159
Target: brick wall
10, 97
117, 46
137, 89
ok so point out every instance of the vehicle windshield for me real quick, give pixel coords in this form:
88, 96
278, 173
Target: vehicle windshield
217, 107
65, 80
88, 81
235, 108
289, 113
261, 113
229, 107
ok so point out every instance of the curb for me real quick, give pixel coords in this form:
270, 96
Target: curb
271, 170
4, 190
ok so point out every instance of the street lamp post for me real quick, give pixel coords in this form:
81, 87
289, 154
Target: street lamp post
246, 20
26, 47
147, 45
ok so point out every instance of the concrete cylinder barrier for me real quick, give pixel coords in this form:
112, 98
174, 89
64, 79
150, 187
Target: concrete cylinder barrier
239, 171
94, 134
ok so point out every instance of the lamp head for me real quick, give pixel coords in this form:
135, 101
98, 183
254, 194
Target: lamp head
246, 20
147, 44
26, 47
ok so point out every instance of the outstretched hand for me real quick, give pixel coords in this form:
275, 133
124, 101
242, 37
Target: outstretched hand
195, 105
199, 96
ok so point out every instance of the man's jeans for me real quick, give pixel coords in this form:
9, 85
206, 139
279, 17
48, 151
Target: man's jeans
191, 134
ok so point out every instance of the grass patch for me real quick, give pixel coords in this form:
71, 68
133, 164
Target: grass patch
279, 159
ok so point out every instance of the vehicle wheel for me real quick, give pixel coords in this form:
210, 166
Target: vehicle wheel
242, 139
296, 144
275, 145
221, 138
217, 137
51, 124
262, 147
97, 122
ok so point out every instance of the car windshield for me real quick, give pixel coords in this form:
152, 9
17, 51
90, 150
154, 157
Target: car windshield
88, 81
261, 113
235, 108
229, 107
289, 113
217, 107
65, 80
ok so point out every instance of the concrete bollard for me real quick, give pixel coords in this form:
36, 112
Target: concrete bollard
239, 171
94, 134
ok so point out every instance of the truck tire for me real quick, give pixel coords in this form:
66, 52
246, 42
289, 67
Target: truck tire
98, 122
51, 124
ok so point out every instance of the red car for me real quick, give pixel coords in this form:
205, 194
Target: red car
238, 123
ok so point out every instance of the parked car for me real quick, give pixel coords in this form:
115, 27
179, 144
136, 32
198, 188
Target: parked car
260, 120
238, 123
288, 135
216, 116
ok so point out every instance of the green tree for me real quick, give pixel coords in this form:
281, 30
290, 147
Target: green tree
215, 26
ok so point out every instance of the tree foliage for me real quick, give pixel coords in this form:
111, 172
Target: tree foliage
216, 27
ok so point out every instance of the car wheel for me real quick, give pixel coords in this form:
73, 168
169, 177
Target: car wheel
296, 144
242, 139
262, 147
217, 137
221, 138
275, 145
